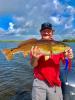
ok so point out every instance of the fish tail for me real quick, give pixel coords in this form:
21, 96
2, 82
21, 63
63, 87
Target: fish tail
6, 51
8, 54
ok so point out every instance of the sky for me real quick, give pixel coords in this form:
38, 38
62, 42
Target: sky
22, 19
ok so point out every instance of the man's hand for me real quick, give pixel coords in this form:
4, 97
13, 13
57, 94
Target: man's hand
36, 52
69, 53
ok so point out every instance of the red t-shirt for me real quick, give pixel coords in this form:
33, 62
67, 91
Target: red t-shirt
49, 70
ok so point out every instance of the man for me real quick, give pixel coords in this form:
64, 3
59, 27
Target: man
46, 69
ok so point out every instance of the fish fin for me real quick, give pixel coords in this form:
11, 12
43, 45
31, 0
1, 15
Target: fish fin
33, 40
8, 54
25, 54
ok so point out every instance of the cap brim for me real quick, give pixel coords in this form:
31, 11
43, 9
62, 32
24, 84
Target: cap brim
46, 28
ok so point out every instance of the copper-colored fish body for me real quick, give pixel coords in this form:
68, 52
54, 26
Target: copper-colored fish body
46, 46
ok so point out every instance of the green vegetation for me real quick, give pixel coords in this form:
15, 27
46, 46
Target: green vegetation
67, 40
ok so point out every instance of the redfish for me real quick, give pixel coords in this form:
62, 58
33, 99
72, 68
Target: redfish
46, 46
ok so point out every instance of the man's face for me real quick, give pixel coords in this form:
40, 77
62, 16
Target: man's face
47, 34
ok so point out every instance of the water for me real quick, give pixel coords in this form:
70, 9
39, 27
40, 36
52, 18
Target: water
16, 76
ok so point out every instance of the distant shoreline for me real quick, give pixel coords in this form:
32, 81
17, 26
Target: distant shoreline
65, 40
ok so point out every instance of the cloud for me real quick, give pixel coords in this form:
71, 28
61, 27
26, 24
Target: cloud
68, 23
58, 37
19, 18
68, 33
69, 36
28, 16
11, 27
2, 31
29, 23
56, 4
71, 9
56, 20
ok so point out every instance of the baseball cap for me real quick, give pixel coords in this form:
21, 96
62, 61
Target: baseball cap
46, 26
